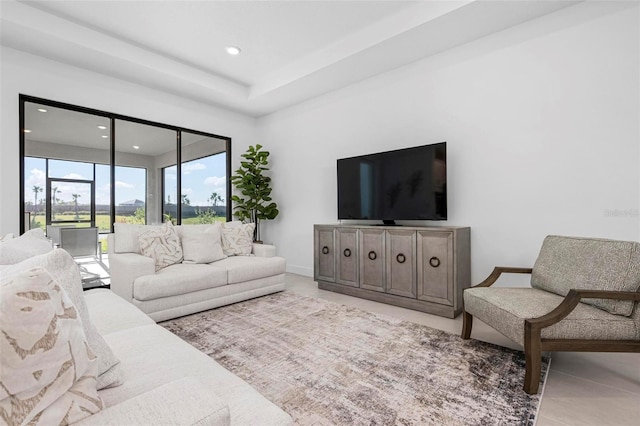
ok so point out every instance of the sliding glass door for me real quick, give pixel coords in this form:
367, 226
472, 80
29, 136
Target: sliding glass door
84, 167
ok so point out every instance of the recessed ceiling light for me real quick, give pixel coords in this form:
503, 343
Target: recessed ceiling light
42, 110
233, 50
102, 127
104, 136
136, 147
27, 131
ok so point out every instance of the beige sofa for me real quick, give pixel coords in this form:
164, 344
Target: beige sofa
186, 288
165, 380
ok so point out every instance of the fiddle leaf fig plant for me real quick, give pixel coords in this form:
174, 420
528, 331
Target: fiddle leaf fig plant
255, 202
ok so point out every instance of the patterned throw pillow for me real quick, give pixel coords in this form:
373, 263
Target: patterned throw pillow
162, 245
237, 238
64, 270
48, 371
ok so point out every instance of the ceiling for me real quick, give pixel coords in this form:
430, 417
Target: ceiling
291, 50
48, 124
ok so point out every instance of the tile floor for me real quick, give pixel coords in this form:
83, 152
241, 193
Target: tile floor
582, 388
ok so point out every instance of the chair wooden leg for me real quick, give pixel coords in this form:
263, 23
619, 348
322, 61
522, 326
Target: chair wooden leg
467, 324
533, 359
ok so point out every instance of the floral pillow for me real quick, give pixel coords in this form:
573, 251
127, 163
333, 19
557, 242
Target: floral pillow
237, 238
48, 370
162, 245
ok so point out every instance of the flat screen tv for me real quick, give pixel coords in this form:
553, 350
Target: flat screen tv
404, 184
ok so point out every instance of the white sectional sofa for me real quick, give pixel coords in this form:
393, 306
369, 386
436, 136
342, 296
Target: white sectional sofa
185, 288
165, 380
92, 358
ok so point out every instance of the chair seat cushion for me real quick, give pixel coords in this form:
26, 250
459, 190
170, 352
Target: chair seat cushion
505, 309
177, 279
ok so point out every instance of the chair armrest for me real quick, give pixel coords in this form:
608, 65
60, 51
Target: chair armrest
125, 268
499, 270
264, 250
570, 302
187, 401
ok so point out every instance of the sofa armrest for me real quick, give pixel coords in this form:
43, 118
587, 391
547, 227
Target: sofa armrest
187, 401
264, 250
125, 268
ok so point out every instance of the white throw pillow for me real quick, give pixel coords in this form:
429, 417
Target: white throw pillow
237, 238
61, 266
29, 244
162, 245
202, 243
126, 237
48, 369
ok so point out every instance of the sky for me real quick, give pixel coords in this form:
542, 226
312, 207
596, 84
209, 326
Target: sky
200, 178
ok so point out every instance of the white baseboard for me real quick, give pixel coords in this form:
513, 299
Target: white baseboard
300, 270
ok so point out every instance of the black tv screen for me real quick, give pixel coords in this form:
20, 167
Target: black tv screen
405, 184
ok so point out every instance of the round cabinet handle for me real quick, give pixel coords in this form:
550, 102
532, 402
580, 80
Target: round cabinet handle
347, 253
373, 255
325, 250
434, 261
401, 258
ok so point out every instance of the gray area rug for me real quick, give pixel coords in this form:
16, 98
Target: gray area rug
330, 364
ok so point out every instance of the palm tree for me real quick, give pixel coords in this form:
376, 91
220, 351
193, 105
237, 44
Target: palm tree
36, 189
185, 200
75, 201
215, 199
54, 192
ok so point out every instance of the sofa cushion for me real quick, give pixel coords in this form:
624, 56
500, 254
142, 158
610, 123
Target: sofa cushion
29, 244
152, 356
61, 266
201, 243
237, 238
109, 314
178, 279
162, 245
49, 372
507, 308
242, 268
566, 263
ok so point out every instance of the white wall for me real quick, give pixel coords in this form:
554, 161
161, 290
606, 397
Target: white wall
36, 76
542, 125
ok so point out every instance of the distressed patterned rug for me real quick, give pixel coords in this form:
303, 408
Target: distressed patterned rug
330, 364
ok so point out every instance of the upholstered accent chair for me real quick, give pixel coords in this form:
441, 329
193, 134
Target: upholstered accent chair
584, 296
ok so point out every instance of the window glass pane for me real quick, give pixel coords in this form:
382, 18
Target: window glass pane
203, 179
103, 197
34, 187
170, 193
70, 170
131, 184
73, 202
142, 147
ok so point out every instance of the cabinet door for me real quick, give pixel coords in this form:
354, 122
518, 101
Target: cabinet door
435, 267
401, 263
324, 254
371, 259
347, 256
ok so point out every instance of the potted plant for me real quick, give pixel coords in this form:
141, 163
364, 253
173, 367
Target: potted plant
255, 203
